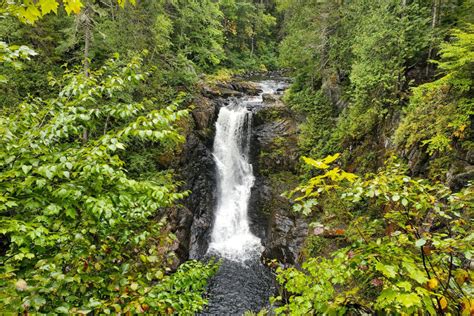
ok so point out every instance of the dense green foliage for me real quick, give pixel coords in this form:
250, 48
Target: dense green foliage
249, 28
407, 245
373, 79
438, 116
354, 64
184, 38
76, 224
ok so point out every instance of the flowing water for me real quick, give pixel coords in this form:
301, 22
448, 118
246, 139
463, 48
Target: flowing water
242, 282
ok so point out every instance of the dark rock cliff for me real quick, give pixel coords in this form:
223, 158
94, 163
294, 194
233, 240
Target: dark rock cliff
275, 160
191, 221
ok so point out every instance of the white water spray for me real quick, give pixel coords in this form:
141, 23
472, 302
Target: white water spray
231, 236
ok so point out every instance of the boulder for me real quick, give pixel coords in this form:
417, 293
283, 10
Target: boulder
247, 87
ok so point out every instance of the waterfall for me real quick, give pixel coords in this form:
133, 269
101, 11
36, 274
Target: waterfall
242, 282
231, 237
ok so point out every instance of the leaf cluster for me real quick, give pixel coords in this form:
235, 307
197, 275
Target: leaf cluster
409, 247
79, 234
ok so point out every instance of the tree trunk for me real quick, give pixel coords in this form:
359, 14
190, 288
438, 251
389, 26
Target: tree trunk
87, 26
86, 22
435, 13
251, 46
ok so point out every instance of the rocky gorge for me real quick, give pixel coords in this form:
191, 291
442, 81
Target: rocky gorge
274, 155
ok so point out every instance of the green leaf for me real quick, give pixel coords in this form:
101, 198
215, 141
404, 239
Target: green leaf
414, 273
38, 301
70, 212
62, 309
387, 270
409, 299
48, 173
26, 169
420, 242
404, 285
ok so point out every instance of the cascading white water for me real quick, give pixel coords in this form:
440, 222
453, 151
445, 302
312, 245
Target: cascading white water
242, 283
231, 237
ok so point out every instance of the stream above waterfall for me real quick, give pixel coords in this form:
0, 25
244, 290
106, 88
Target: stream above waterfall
242, 283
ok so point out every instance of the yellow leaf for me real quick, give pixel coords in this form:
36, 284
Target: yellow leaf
31, 14
349, 176
122, 2
467, 307
315, 163
433, 283
330, 158
72, 6
443, 302
461, 276
48, 6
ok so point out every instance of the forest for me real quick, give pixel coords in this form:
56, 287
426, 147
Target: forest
153, 150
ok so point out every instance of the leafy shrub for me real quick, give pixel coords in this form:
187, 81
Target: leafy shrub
80, 235
410, 245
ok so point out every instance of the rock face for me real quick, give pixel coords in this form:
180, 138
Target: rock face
199, 176
196, 167
275, 160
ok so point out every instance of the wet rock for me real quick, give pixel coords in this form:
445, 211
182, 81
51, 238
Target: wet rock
229, 93
209, 92
250, 287
286, 232
276, 134
270, 98
458, 180
199, 176
418, 161
276, 160
246, 87
286, 236
180, 220
196, 170
204, 115
220, 90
